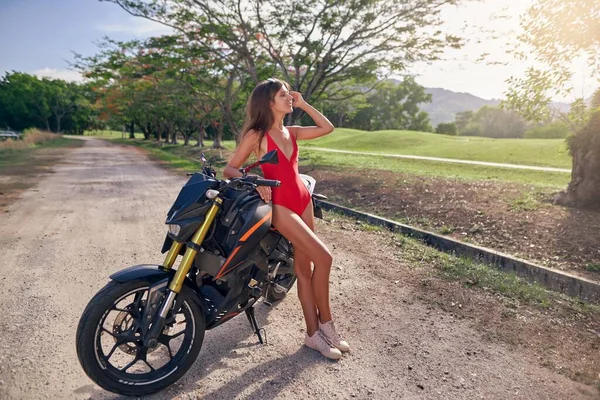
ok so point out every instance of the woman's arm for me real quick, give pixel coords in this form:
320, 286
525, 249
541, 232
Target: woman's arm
323, 127
246, 147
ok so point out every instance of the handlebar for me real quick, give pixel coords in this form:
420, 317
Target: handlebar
267, 182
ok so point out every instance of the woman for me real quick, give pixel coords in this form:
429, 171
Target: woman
293, 216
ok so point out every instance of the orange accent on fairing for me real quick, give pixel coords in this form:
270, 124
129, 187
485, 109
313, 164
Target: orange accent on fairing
233, 253
255, 227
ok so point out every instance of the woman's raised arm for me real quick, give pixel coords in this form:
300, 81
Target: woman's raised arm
324, 126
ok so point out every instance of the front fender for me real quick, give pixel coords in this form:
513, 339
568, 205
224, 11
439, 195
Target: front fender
151, 272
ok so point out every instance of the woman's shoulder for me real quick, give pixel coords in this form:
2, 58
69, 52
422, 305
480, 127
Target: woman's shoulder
251, 135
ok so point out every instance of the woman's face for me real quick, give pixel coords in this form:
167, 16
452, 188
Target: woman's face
282, 102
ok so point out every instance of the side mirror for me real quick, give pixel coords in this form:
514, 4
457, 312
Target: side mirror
270, 158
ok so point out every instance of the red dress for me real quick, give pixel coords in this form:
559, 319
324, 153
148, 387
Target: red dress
292, 194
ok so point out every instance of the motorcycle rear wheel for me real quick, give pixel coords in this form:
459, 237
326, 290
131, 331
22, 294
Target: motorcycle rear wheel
104, 344
277, 290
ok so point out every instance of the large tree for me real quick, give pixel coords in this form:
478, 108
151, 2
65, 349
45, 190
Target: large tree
556, 32
395, 105
27, 101
315, 45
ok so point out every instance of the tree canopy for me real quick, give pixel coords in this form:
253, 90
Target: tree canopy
27, 101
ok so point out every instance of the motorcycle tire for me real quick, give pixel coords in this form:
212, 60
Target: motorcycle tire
90, 334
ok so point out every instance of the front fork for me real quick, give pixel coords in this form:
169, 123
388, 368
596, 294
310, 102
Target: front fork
151, 337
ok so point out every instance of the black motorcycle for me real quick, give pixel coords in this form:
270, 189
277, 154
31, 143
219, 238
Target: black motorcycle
145, 328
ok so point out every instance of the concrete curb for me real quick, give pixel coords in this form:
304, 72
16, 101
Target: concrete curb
552, 279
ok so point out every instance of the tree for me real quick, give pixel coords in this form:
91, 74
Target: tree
395, 106
51, 104
315, 45
24, 101
462, 119
446, 128
556, 32
490, 121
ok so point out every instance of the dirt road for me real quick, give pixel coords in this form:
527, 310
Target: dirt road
103, 209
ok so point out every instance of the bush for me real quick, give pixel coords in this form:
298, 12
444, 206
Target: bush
446, 128
552, 131
31, 137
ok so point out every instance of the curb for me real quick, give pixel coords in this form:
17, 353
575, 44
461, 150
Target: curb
552, 279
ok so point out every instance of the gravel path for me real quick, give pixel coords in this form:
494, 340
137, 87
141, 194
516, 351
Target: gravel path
103, 209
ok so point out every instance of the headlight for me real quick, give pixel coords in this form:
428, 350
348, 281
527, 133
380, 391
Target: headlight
174, 229
211, 193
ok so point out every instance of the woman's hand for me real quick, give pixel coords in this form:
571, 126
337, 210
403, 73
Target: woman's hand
264, 192
297, 101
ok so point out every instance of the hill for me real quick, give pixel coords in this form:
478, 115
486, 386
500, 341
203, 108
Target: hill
446, 103
540, 152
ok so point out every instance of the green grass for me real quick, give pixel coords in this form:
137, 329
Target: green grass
537, 152
335, 161
108, 134
475, 275
178, 157
526, 202
434, 169
16, 157
593, 267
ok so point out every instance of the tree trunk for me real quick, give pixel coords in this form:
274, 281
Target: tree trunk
200, 142
584, 188
218, 137
146, 131
131, 130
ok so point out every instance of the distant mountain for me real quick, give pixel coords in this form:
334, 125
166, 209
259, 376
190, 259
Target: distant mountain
446, 103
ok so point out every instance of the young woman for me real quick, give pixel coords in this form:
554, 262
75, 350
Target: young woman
263, 131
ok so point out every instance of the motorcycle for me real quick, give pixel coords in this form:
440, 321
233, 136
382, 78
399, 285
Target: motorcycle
145, 328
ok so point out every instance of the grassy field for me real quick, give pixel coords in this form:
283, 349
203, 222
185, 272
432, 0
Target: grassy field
352, 163
541, 152
107, 134
183, 158
538, 152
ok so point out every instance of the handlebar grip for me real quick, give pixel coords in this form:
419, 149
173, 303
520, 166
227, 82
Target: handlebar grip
267, 182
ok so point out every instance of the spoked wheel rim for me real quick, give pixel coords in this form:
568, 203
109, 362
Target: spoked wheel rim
283, 282
118, 343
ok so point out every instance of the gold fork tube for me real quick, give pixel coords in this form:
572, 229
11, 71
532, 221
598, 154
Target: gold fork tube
172, 255
190, 253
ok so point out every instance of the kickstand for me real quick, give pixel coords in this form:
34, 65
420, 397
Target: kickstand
254, 324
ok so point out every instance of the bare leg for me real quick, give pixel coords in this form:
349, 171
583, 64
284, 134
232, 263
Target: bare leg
313, 288
302, 265
320, 276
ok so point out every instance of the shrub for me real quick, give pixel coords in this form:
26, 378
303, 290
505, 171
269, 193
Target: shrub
556, 130
446, 128
31, 137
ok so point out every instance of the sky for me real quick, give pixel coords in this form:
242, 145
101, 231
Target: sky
40, 36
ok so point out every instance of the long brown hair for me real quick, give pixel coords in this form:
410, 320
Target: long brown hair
259, 116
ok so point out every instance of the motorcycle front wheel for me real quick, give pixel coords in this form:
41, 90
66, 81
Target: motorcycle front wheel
110, 347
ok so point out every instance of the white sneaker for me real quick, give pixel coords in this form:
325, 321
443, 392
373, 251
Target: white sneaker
319, 343
328, 330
